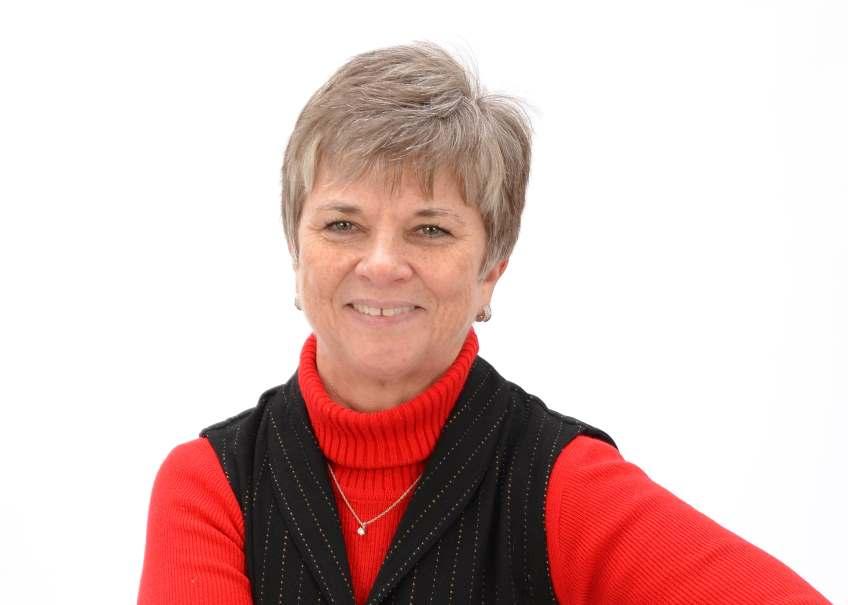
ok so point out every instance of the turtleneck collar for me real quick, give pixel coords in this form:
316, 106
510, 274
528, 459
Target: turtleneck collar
403, 435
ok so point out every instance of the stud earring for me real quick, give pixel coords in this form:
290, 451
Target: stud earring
297, 303
485, 313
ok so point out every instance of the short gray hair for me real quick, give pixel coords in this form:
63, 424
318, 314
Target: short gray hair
414, 107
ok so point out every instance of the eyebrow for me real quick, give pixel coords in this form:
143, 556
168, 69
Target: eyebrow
439, 212
340, 207
352, 210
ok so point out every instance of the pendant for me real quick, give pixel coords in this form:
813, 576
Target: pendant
361, 530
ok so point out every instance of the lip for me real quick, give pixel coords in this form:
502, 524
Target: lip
383, 304
382, 320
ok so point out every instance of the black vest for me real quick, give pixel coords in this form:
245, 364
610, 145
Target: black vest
474, 530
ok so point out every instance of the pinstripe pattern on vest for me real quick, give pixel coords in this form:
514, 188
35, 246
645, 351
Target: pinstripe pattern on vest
474, 529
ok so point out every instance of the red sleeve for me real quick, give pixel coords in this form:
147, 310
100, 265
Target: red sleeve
615, 536
195, 534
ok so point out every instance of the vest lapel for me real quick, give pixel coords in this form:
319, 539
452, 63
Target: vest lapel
300, 482
462, 456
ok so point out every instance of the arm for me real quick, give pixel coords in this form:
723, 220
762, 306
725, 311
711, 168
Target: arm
615, 536
195, 534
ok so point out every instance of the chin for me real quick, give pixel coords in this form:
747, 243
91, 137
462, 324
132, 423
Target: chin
386, 361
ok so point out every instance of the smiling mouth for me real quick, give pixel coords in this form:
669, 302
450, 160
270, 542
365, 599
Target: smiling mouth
382, 311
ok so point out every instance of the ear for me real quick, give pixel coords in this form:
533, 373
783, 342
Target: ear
494, 274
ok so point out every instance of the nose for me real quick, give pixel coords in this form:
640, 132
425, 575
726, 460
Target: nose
384, 261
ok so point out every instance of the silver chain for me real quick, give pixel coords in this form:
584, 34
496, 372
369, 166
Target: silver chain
364, 524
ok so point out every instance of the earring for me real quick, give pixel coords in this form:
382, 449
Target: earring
297, 303
485, 313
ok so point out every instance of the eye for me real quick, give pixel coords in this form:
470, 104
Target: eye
433, 231
340, 226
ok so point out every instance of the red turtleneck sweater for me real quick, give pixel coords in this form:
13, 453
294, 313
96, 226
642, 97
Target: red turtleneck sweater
613, 535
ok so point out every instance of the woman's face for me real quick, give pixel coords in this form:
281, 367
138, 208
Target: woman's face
391, 284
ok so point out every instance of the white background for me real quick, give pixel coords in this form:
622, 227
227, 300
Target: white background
680, 280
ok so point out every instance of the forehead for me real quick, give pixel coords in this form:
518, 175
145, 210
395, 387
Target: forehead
399, 188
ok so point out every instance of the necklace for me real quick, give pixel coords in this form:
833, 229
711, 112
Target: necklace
363, 524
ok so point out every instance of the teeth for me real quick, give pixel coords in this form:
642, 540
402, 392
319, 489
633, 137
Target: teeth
398, 311
377, 312
367, 310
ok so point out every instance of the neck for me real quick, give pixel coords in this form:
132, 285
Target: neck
373, 393
371, 396
401, 437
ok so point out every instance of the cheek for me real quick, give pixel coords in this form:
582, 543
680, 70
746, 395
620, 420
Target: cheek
456, 287
312, 281
309, 275
320, 274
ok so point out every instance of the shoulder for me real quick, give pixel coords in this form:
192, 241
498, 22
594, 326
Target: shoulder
248, 419
531, 408
191, 479
191, 458
234, 439
588, 468
591, 476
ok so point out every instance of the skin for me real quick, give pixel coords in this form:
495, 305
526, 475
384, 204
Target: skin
358, 243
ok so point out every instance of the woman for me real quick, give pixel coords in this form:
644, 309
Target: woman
396, 465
